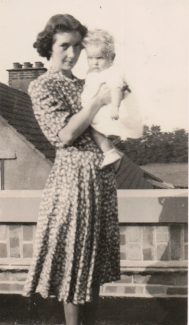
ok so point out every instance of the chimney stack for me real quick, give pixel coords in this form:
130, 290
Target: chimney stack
20, 75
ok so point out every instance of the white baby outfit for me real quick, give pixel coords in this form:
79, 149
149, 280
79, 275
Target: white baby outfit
129, 124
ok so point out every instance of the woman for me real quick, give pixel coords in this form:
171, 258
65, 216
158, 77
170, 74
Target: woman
77, 238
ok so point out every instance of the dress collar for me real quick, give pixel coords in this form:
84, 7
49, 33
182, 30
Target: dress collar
59, 74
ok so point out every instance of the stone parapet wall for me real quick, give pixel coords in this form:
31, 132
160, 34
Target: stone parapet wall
16, 241
137, 242
153, 259
153, 242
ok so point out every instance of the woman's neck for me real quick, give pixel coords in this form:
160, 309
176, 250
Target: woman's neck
66, 73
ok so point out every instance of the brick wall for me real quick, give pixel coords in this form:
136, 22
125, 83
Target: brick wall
152, 259
21, 76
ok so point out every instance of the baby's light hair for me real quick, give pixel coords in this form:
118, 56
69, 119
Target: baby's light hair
101, 38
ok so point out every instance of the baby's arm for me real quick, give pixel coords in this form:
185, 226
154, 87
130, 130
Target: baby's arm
116, 97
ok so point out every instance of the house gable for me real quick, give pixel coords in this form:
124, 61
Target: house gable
24, 166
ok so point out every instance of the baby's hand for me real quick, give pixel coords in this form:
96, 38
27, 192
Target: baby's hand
114, 113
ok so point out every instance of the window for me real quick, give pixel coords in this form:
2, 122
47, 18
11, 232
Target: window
4, 155
2, 174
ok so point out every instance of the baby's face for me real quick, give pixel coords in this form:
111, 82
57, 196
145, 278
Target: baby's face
97, 60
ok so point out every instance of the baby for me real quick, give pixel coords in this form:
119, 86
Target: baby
117, 118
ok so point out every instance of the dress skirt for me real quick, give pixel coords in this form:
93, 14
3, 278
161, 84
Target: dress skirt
77, 243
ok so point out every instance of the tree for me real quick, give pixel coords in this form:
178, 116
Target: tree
155, 146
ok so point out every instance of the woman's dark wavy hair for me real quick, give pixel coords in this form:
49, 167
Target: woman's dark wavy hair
57, 23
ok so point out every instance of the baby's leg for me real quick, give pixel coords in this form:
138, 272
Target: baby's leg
103, 142
111, 154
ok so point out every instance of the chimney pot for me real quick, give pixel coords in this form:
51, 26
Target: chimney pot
17, 65
39, 64
27, 65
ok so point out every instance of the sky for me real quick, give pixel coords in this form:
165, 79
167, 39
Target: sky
151, 47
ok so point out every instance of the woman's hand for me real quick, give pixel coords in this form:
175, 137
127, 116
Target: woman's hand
81, 120
65, 137
101, 98
103, 95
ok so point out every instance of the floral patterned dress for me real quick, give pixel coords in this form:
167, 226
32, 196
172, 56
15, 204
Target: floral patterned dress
77, 237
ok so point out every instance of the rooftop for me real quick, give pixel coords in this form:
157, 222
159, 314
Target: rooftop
16, 109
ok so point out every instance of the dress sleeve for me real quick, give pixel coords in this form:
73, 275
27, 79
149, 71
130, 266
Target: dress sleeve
50, 109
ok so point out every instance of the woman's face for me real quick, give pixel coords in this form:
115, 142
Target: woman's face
66, 50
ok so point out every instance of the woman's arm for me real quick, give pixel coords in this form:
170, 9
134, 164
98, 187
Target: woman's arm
80, 121
53, 113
